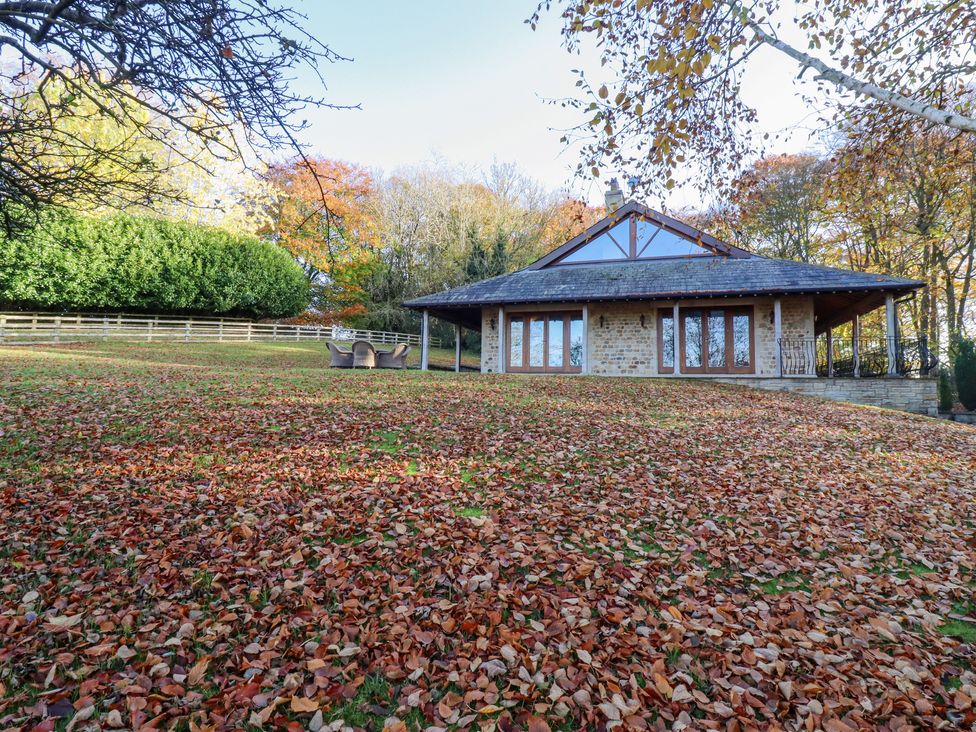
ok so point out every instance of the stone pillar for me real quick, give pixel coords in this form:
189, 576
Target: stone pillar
778, 334
891, 333
425, 341
501, 340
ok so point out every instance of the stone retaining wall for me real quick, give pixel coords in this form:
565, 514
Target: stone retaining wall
908, 395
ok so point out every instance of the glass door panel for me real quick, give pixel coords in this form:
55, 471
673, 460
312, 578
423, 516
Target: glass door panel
716, 340
742, 341
694, 337
537, 340
515, 329
666, 342
555, 338
576, 342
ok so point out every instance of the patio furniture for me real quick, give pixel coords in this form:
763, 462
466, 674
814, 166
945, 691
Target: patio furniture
363, 355
395, 358
341, 358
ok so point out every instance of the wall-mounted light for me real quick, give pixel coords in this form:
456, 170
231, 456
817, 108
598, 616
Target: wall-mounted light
601, 321
642, 322
493, 324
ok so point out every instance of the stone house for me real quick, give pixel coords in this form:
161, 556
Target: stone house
642, 294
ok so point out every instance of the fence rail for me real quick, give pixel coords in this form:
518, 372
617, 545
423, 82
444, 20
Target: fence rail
809, 356
45, 328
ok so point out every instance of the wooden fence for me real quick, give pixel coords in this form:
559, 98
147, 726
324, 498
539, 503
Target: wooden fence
24, 328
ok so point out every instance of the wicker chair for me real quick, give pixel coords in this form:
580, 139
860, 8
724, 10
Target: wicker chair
341, 358
395, 358
363, 354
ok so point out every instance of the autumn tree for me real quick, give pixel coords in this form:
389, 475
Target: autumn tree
675, 68
321, 215
219, 71
779, 207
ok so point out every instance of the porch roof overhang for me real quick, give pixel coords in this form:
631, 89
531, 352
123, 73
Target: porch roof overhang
838, 294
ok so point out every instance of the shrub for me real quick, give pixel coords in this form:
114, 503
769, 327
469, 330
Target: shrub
965, 368
945, 390
139, 263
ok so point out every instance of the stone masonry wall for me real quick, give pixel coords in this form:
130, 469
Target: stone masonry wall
489, 341
908, 395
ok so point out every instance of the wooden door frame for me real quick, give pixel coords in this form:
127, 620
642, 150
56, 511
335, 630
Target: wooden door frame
729, 367
526, 316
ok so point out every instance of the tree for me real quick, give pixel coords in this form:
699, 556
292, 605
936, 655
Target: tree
678, 67
219, 71
779, 207
321, 215
965, 370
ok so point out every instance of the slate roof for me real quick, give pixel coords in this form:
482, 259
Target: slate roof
661, 279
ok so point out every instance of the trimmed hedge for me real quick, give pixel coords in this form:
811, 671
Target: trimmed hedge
139, 263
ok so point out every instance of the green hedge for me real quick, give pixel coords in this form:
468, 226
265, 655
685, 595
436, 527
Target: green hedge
965, 368
138, 263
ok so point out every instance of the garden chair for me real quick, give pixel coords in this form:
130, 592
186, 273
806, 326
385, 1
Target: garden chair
363, 355
341, 357
395, 358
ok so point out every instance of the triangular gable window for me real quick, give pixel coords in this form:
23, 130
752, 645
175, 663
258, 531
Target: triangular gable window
610, 245
653, 241
646, 240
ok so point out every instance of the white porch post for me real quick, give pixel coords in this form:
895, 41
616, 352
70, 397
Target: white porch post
585, 366
778, 334
501, 339
676, 338
457, 348
856, 343
425, 341
891, 331
830, 352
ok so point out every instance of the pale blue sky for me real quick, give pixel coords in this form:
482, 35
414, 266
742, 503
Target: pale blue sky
468, 82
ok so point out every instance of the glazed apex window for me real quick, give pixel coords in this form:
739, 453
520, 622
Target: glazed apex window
545, 342
711, 341
634, 238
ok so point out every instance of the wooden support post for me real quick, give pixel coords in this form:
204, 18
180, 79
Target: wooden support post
425, 342
3, 326
501, 340
830, 352
585, 365
186, 332
856, 343
249, 326
778, 334
457, 348
57, 329
274, 332
676, 338
891, 331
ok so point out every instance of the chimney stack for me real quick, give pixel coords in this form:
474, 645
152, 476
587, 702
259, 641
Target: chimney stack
614, 197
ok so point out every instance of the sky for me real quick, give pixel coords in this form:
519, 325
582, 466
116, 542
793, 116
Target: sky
470, 83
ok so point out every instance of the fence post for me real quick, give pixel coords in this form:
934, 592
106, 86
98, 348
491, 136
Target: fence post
149, 332
3, 326
220, 330
186, 332
249, 332
274, 332
57, 329
104, 326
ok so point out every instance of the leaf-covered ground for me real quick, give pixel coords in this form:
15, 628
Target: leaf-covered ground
218, 537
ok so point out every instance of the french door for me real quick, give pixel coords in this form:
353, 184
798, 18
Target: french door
711, 341
545, 342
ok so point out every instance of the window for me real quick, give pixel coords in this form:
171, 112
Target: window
665, 342
653, 241
634, 238
613, 244
554, 342
713, 341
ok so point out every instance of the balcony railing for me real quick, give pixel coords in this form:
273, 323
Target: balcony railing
809, 356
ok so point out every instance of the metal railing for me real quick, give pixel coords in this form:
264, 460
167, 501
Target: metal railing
46, 328
809, 356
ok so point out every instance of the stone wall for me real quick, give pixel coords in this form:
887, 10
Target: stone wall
908, 395
489, 341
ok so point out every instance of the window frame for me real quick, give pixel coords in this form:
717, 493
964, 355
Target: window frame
630, 253
662, 315
703, 312
526, 316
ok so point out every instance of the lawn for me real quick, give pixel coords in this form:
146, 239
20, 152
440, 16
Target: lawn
232, 536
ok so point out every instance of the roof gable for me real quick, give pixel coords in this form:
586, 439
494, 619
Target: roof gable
635, 232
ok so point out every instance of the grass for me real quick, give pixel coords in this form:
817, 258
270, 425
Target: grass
301, 529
